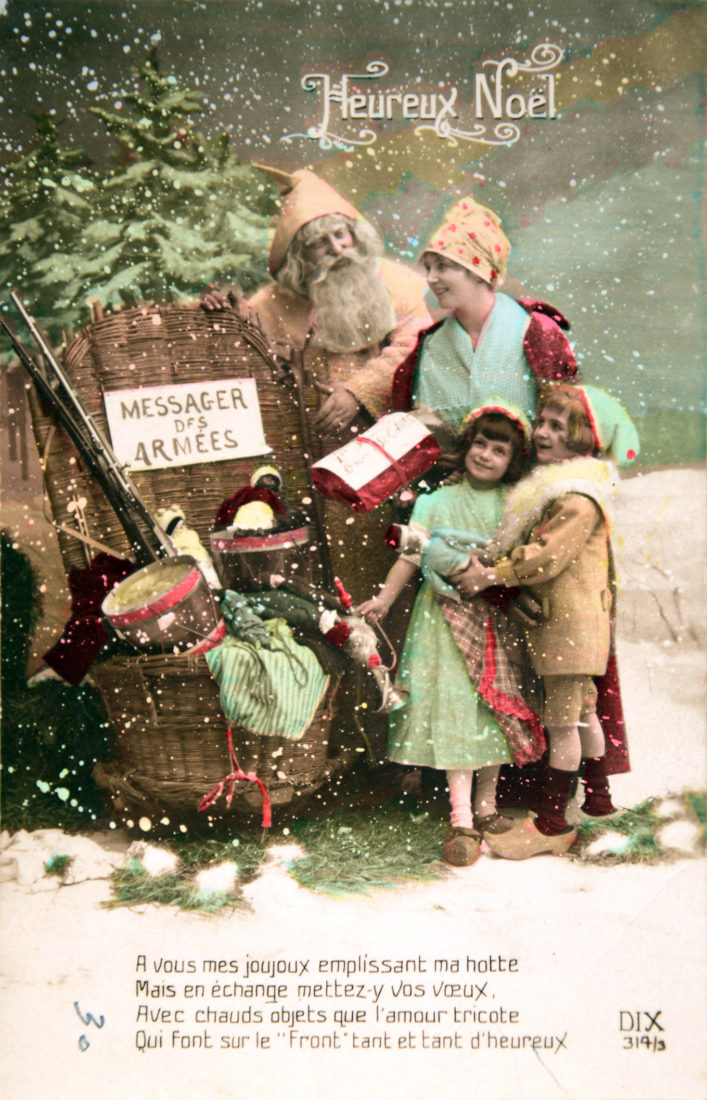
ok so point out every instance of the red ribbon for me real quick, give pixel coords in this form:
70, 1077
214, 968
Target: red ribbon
400, 470
229, 782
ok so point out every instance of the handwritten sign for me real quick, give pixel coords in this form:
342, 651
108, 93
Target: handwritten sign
392, 439
180, 425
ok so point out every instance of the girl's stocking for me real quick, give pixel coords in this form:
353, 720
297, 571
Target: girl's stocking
597, 796
459, 783
565, 747
591, 735
485, 791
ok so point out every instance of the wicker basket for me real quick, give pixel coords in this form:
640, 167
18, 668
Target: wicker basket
165, 345
172, 746
170, 731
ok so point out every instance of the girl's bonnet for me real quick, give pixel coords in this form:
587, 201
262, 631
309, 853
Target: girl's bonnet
504, 408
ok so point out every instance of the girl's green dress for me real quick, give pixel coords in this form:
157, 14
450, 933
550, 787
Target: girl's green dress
445, 724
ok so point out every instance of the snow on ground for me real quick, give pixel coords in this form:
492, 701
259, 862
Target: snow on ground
603, 966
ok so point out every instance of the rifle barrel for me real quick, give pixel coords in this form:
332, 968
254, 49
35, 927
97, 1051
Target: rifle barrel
148, 540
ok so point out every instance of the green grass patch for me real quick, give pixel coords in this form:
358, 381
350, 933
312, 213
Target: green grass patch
697, 804
57, 863
133, 885
198, 852
358, 851
637, 832
350, 851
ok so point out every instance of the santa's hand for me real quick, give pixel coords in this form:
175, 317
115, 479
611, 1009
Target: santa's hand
337, 411
213, 300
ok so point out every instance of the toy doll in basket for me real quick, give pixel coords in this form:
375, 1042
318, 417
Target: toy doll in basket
261, 547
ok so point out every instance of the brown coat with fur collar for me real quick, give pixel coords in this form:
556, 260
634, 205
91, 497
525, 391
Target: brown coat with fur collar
565, 564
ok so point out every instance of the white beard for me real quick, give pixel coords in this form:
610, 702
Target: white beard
353, 306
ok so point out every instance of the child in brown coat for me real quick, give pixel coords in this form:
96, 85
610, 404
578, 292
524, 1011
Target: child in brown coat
554, 541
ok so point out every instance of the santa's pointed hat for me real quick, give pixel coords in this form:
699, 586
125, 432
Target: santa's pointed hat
304, 197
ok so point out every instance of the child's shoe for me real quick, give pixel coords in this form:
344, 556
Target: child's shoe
462, 847
525, 840
493, 823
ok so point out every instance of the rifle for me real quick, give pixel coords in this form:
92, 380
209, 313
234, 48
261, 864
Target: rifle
148, 540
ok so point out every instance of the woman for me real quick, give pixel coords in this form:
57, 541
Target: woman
489, 343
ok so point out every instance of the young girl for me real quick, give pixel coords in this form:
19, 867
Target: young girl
446, 724
554, 540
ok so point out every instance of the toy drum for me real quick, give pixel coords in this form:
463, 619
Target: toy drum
165, 607
247, 558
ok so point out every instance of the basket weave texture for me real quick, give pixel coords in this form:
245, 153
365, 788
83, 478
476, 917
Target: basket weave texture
170, 730
171, 741
158, 346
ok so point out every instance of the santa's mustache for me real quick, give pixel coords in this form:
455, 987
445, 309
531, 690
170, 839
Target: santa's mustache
336, 263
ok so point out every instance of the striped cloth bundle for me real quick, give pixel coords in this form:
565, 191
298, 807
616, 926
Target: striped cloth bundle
276, 691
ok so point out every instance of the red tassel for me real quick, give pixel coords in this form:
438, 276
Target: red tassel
229, 782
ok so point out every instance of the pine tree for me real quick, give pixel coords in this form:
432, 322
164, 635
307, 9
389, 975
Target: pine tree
175, 213
178, 211
48, 198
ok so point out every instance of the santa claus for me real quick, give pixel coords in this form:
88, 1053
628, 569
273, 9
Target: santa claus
353, 316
